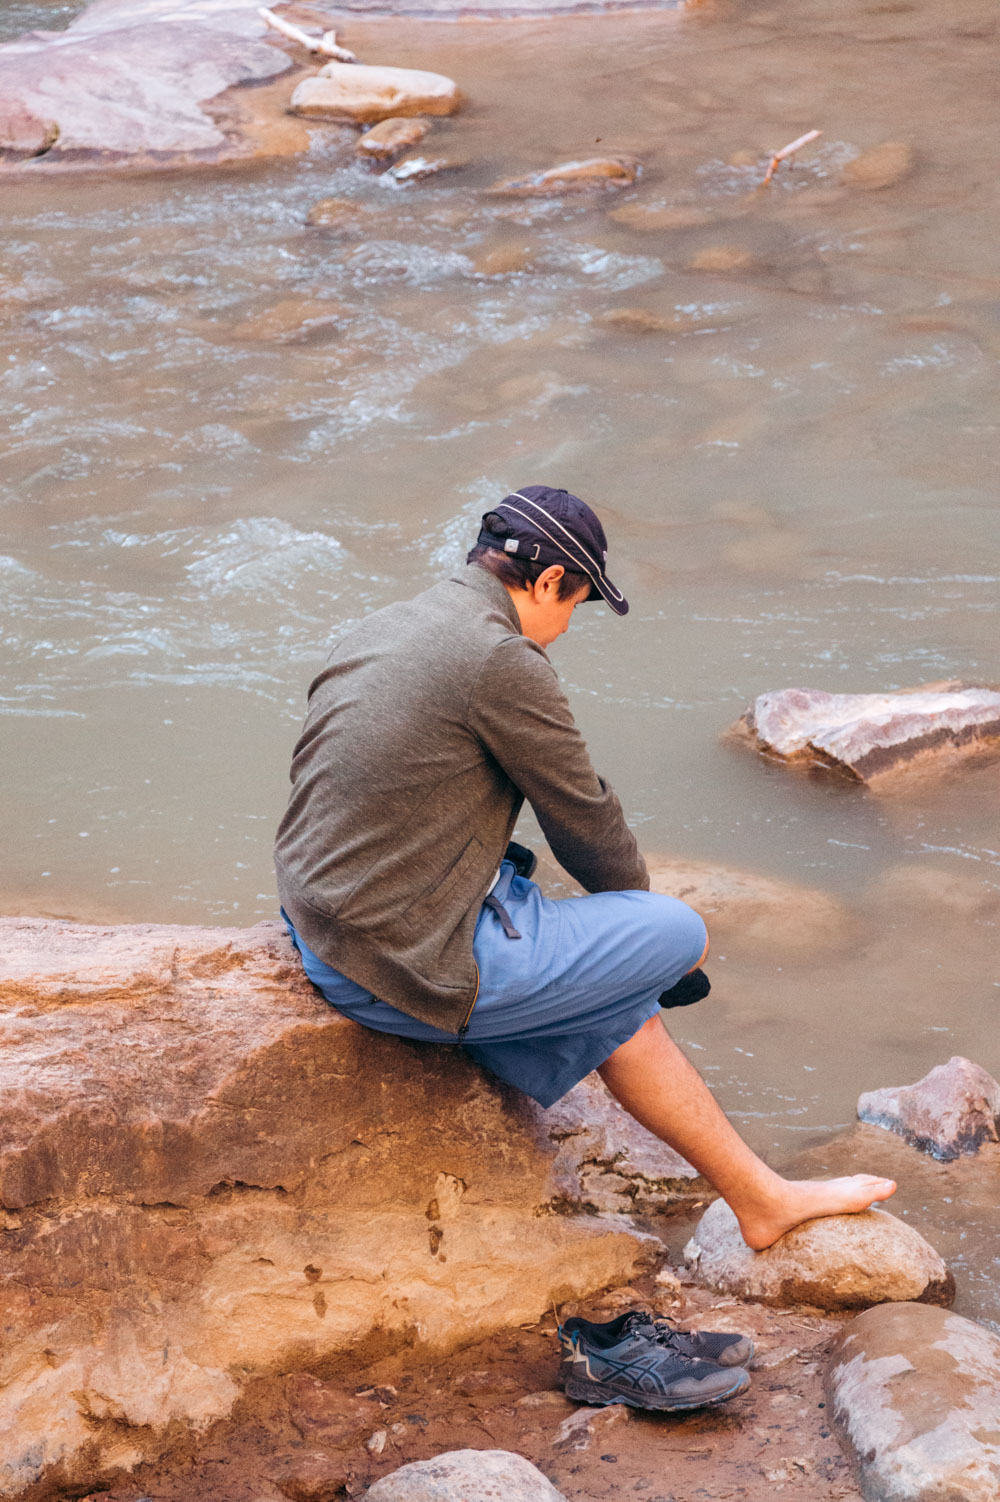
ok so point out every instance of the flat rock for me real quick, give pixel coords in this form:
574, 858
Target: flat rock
172, 1228
351, 91
952, 1111
722, 258
150, 81
838, 1262
881, 166
570, 177
466, 1476
343, 214
754, 908
390, 138
915, 1393
875, 737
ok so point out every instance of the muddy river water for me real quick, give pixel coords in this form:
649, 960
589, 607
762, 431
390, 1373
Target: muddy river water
226, 433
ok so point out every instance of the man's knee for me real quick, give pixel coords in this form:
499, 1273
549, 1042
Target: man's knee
704, 953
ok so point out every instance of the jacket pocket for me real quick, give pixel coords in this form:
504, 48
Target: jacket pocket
460, 875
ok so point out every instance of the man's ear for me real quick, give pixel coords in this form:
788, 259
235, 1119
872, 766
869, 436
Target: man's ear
551, 575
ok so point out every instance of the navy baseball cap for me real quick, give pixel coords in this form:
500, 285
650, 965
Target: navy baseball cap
549, 526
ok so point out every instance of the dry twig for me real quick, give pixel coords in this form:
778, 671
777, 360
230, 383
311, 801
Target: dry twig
786, 151
326, 45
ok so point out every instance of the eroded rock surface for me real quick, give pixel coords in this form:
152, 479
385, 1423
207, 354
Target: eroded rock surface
147, 81
466, 1476
838, 1262
872, 737
349, 91
390, 138
953, 1110
206, 1173
916, 1394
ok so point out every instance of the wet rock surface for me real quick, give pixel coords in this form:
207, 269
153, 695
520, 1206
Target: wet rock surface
953, 1110
838, 1262
390, 138
587, 175
467, 1476
875, 737
221, 1169
915, 1393
142, 81
349, 91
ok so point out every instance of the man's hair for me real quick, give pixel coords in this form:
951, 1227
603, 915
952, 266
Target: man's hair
518, 573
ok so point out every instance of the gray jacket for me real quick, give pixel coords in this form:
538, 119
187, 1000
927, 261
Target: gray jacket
431, 723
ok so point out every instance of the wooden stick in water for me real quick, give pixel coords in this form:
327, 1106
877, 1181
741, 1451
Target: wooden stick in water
789, 150
326, 45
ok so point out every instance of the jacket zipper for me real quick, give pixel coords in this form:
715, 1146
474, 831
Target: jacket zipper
472, 1007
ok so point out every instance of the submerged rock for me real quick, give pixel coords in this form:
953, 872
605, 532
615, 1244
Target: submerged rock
872, 737
880, 167
953, 1110
152, 82
754, 908
337, 213
570, 177
838, 1262
351, 91
915, 1393
221, 1177
466, 1476
722, 258
390, 138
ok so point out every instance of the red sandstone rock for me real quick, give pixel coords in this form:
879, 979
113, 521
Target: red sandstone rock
874, 737
951, 1111
143, 80
206, 1173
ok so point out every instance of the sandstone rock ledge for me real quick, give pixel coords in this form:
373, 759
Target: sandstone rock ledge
206, 1174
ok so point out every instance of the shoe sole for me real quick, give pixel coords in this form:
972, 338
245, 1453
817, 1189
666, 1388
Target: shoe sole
596, 1395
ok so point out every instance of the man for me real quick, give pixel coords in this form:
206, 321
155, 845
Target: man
432, 722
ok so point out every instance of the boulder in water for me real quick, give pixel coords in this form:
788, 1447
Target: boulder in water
570, 177
350, 91
837, 1262
874, 738
390, 138
915, 1393
953, 1110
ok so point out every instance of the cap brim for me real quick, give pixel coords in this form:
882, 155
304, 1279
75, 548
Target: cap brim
604, 590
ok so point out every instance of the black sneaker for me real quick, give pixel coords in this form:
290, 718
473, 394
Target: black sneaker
723, 1348
627, 1361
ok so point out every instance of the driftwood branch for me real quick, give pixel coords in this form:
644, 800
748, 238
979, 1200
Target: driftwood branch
326, 45
787, 151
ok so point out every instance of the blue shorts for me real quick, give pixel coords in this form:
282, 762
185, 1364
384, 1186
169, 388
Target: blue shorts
584, 976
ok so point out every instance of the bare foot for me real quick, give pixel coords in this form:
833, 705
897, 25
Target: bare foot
797, 1200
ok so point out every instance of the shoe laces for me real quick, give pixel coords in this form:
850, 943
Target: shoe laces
659, 1330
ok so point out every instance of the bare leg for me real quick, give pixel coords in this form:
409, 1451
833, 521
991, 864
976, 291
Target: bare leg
659, 1087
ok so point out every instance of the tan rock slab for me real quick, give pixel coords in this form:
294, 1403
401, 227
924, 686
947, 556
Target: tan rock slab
722, 258
952, 1111
880, 167
342, 214
143, 81
352, 91
207, 1174
875, 738
838, 1262
503, 260
915, 1393
390, 138
570, 177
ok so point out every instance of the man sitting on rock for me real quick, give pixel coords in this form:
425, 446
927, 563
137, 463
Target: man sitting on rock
434, 719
